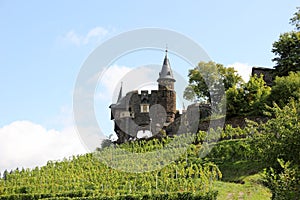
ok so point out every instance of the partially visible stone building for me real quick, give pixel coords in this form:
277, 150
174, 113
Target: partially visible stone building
266, 72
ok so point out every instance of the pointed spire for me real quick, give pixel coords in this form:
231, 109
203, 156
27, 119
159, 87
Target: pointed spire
120, 93
166, 60
166, 71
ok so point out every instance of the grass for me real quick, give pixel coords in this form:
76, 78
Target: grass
239, 170
242, 179
251, 189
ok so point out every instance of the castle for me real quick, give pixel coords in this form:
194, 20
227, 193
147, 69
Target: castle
147, 112
156, 113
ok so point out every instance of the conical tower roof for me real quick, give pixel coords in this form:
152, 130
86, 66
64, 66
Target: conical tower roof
166, 71
120, 92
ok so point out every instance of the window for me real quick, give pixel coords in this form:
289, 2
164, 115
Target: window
124, 114
144, 108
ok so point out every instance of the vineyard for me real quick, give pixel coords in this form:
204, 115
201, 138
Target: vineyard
170, 166
189, 166
141, 169
85, 176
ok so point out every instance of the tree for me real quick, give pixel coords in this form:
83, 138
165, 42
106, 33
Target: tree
279, 143
285, 184
210, 78
296, 19
235, 101
248, 99
287, 87
106, 143
256, 94
287, 49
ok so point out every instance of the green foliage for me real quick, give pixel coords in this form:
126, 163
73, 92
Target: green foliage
285, 184
189, 177
280, 136
295, 20
85, 177
287, 87
235, 101
232, 151
256, 95
248, 99
241, 98
279, 140
106, 143
156, 196
287, 51
251, 189
210, 78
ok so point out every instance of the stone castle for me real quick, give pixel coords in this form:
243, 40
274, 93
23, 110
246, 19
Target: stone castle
153, 111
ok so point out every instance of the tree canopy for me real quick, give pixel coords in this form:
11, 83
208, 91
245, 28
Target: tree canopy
287, 87
295, 20
279, 143
287, 49
210, 78
248, 99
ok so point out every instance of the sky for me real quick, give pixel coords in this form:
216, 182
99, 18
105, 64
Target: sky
43, 45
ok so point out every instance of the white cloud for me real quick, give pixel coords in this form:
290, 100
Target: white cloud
110, 79
243, 69
26, 144
94, 35
98, 33
73, 38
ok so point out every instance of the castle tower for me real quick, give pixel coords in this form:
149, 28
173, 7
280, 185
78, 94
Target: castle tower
133, 113
166, 79
166, 90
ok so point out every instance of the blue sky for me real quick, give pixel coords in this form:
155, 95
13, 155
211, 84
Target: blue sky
44, 43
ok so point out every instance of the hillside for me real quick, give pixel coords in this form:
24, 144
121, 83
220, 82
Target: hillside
188, 177
229, 163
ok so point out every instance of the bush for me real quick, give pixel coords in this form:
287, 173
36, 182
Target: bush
285, 184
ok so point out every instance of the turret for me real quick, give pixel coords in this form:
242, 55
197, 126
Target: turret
166, 79
166, 90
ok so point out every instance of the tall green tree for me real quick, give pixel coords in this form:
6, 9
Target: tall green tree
287, 49
256, 95
209, 78
235, 101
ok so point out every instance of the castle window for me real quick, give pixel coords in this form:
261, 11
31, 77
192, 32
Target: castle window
144, 108
124, 114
